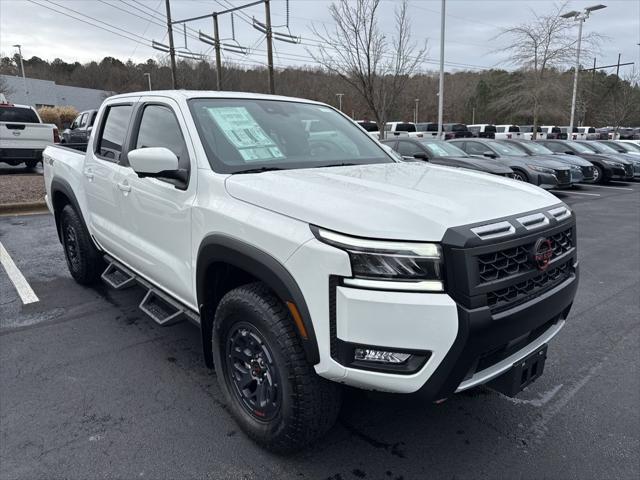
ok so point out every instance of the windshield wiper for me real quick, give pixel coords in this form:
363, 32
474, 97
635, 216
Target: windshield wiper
337, 165
259, 170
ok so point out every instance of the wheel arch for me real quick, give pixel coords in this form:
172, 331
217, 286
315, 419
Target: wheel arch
61, 195
220, 256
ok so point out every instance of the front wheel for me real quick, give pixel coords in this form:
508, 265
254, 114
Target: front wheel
598, 174
520, 176
272, 391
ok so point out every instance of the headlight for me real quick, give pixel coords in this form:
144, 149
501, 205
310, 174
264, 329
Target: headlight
613, 164
540, 169
389, 265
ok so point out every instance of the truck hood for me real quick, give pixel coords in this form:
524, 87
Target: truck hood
403, 201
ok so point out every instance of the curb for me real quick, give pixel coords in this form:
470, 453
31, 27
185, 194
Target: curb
23, 208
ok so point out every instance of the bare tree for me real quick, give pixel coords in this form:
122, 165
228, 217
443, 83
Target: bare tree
544, 43
622, 103
359, 53
4, 88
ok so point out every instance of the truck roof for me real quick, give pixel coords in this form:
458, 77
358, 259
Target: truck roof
188, 94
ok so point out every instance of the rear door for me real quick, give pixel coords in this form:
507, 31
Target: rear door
103, 172
157, 212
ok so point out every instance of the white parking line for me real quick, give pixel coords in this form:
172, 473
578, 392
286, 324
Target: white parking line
607, 186
15, 275
569, 192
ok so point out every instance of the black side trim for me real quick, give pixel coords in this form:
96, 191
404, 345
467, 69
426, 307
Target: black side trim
219, 248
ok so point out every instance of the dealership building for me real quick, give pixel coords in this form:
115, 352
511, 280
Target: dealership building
46, 93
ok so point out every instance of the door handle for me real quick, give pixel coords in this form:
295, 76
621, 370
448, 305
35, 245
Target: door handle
89, 174
125, 187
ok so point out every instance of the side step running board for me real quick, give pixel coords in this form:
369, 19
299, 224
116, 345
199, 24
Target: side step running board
162, 309
118, 277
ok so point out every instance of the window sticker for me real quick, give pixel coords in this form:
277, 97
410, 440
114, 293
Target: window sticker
245, 133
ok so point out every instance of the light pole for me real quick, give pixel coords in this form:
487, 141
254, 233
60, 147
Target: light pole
24, 78
415, 114
580, 17
339, 95
148, 75
441, 87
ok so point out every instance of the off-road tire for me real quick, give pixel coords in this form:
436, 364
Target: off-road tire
83, 258
309, 405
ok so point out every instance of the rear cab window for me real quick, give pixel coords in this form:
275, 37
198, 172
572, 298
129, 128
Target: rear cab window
115, 125
405, 127
13, 114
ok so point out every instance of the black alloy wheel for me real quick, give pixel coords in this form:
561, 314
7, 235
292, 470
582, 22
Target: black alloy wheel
252, 371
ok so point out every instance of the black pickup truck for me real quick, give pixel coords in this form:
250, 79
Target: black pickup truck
80, 130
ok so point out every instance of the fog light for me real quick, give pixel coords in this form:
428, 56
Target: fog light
368, 355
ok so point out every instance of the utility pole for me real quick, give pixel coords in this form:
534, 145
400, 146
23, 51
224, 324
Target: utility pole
441, 87
216, 37
148, 75
172, 50
473, 115
24, 78
339, 95
415, 116
269, 33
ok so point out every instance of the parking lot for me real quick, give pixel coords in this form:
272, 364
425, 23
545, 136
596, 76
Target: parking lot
91, 388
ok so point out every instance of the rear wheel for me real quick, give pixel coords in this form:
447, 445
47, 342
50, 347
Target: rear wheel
271, 390
31, 164
83, 258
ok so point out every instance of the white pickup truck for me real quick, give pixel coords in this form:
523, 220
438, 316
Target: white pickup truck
23, 136
310, 262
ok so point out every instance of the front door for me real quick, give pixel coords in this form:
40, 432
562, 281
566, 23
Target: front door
157, 212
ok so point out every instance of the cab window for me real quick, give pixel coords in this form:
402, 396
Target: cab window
476, 148
159, 127
114, 132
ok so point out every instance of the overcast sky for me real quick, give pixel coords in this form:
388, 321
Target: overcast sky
471, 27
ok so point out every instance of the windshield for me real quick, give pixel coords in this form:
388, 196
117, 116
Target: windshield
18, 114
443, 149
581, 148
630, 147
248, 135
602, 148
538, 148
506, 149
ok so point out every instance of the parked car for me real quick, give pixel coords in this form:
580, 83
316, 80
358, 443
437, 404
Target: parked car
623, 147
371, 128
80, 129
504, 132
591, 133
456, 130
482, 130
306, 266
609, 133
401, 129
554, 132
542, 171
527, 132
575, 133
606, 168
23, 136
428, 129
604, 149
439, 152
581, 169
629, 133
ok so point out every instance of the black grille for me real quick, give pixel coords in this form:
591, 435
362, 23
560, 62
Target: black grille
513, 295
512, 261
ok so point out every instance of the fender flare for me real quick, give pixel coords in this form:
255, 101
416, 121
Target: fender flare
61, 185
225, 249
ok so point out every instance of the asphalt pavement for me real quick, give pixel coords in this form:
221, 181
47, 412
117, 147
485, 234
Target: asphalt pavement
91, 388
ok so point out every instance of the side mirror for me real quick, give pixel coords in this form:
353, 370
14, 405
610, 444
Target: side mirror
156, 162
421, 156
489, 154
